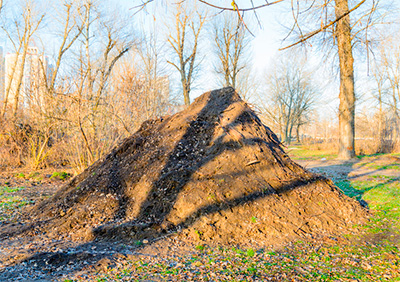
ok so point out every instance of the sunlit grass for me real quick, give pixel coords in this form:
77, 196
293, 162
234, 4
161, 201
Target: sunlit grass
382, 195
395, 166
311, 152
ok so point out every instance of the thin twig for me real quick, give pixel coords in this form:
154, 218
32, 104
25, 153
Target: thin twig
242, 9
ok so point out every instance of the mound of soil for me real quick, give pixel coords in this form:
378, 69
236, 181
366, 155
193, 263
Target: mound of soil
213, 172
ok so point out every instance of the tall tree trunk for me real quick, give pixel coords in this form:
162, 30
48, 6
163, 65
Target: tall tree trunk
346, 96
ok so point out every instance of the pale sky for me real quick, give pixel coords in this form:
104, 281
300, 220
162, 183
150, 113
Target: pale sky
265, 44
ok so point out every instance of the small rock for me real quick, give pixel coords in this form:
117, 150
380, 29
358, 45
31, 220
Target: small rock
145, 241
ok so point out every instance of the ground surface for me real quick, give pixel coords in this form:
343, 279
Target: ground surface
372, 255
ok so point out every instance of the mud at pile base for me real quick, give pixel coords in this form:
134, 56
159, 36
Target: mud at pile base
213, 172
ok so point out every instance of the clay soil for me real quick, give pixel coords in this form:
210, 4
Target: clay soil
212, 173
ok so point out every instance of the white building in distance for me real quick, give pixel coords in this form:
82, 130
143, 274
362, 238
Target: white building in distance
25, 81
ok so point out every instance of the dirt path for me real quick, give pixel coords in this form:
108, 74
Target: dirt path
355, 169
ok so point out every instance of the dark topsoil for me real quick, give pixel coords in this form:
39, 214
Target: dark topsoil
212, 172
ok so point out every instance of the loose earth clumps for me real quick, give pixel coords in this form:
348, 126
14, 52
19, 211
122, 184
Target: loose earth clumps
212, 172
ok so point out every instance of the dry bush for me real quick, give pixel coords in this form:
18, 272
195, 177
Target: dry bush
23, 144
369, 147
11, 145
327, 146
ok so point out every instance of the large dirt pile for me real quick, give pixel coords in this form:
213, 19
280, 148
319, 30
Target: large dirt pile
212, 171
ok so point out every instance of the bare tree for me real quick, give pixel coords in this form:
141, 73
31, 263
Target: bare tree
341, 35
184, 43
390, 58
23, 31
70, 30
156, 82
96, 58
379, 94
79, 96
140, 85
290, 96
386, 76
80, 118
231, 43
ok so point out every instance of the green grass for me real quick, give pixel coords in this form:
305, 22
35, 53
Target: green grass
13, 202
377, 155
20, 175
7, 190
10, 203
34, 174
382, 195
394, 166
377, 176
200, 247
61, 175
360, 157
348, 189
305, 153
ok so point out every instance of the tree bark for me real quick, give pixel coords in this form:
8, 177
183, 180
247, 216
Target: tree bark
186, 92
298, 133
346, 95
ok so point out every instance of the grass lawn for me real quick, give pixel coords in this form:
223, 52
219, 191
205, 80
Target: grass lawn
311, 152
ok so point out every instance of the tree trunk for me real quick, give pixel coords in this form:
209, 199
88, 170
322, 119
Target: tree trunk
346, 96
298, 133
186, 91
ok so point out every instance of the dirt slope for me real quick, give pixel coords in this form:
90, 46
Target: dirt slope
213, 172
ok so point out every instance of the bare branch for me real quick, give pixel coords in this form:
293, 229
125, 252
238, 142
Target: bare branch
311, 34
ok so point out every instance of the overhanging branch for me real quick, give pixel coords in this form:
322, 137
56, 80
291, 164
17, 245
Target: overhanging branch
322, 28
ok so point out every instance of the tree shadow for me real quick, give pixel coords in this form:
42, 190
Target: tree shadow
343, 180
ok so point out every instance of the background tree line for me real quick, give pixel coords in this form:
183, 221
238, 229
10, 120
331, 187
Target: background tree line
108, 75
